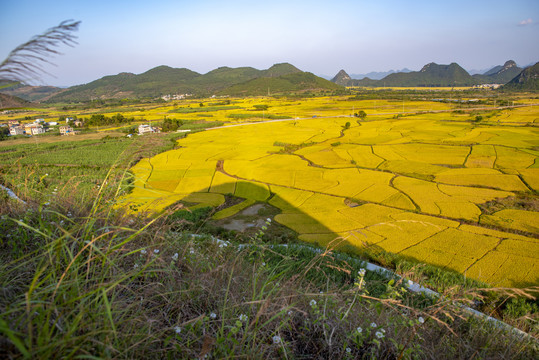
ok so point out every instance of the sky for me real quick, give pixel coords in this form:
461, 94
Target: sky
321, 37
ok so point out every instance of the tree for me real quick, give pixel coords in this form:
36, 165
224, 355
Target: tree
361, 114
4, 132
171, 124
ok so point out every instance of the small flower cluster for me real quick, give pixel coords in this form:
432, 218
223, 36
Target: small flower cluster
362, 335
223, 243
360, 282
239, 324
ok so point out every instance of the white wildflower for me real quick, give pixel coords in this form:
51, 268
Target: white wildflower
143, 251
373, 325
175, 257
359, 329
178, 329
290, 313
312, 302
135, 266
361, 272
421, 320
268, 220
191, 251
213, 315
156, 251
276, 339
348, 350
379, 334
244, 317
263, 264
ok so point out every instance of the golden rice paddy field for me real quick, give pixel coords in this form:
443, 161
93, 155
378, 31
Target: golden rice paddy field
423, 185
414, 185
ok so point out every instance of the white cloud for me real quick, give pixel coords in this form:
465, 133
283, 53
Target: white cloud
526, 22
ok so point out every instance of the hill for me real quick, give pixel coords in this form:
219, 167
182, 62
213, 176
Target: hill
27, 92
431, 74
164, 80
342, 78
500, 74
9, 101
155, 82
528, 79
297, 82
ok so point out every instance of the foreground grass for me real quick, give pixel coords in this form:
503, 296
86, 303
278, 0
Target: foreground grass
90, 282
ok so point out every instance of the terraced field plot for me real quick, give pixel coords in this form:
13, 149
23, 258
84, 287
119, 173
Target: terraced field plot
413, 186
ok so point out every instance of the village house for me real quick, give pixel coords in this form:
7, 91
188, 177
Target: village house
33, 129
66, 130
16, 130
11, 123
145, 129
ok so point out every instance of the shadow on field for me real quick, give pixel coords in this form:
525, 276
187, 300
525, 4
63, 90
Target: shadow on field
247, 206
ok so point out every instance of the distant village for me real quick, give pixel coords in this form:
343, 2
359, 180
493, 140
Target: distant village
40, 126
72, 126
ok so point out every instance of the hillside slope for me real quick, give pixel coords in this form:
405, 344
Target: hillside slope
9, 102
164, 80
289, 83
528, 79
27, 92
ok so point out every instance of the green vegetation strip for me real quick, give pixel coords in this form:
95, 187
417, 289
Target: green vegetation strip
288, 249
233, 209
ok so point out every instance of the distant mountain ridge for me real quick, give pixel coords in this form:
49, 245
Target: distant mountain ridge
433, 74
378, 75
500, 74
163, 80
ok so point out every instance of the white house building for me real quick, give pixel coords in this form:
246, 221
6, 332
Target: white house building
145, 129
16, 130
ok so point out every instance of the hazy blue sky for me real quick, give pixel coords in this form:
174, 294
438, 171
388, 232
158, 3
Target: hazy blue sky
317, 36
